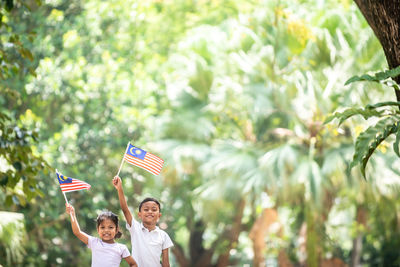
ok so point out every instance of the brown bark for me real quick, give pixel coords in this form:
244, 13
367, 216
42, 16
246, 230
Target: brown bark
361, 219
201, 257
334, 262
233, 235
257, 234
177, 250
383, 16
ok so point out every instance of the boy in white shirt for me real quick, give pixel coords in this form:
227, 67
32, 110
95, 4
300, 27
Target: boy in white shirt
149, 243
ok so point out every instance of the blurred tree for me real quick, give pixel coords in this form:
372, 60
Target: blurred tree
19, 161
12, 238
383, 17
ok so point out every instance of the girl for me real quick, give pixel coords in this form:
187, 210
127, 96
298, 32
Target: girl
105, 251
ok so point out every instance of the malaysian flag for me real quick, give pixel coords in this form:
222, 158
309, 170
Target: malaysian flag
143, 159
69, 184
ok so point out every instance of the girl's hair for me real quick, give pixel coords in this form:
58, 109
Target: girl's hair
108, 215
147, 199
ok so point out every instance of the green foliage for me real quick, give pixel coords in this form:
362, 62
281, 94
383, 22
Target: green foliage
13, 237
13, 51
379, 77
20, 165
369, 140
230, 93
367, 113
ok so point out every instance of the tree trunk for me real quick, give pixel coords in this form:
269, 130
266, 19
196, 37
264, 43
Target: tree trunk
177, 250
201, 257
233, 235
383, 16
361, 219
258, 233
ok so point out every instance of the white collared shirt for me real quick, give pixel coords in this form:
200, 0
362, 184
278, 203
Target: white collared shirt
147, 246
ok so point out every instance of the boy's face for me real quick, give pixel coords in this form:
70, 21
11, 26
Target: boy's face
149, 213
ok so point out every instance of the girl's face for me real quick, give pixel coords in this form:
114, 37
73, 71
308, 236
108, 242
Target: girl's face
149, 213
107, 231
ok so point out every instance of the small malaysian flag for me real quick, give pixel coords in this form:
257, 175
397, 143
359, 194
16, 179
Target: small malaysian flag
69, 184
143, 159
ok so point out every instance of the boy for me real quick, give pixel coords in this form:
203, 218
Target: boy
149, 242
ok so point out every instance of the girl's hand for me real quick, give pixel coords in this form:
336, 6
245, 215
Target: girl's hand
69, 209
117, 182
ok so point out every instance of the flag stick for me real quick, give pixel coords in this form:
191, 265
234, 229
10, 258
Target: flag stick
122, 162
65, 197
66, 200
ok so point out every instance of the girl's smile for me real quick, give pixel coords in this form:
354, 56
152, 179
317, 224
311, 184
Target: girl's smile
107, 231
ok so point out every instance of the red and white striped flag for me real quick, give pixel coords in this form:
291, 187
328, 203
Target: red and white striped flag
69, 184
143, 159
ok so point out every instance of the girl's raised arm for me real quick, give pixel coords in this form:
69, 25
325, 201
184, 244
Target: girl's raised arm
75, 226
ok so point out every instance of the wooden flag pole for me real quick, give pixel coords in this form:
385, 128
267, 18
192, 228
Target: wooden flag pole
66, 200
65, 197
122, 162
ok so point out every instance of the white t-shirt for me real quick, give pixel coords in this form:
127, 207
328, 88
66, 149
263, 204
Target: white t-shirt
105, 254
147, 246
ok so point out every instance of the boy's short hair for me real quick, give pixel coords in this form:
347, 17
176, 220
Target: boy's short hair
148, 199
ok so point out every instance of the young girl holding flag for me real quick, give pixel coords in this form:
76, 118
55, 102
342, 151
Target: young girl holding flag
105, 251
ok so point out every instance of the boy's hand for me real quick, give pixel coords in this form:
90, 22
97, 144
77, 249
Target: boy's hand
117, 182
69, 209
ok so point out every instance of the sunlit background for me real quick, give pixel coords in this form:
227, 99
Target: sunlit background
231, 94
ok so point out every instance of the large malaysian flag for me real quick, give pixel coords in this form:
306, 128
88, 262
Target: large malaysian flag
143, 159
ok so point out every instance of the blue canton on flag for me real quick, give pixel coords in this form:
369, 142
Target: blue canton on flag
63, 179
136, 152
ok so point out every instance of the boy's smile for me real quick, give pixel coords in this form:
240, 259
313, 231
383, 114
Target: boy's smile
149, 213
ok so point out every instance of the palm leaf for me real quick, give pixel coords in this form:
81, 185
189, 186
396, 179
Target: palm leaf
367, 113
369, 140
383, 104
378, 77
396, 143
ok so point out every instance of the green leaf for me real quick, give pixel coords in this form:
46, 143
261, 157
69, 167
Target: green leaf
378, 77
383, 104
17, 165
349, 112
369, 140
396, 143
9, 201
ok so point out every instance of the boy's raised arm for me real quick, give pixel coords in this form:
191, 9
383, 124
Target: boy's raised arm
122, 201
75, 226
